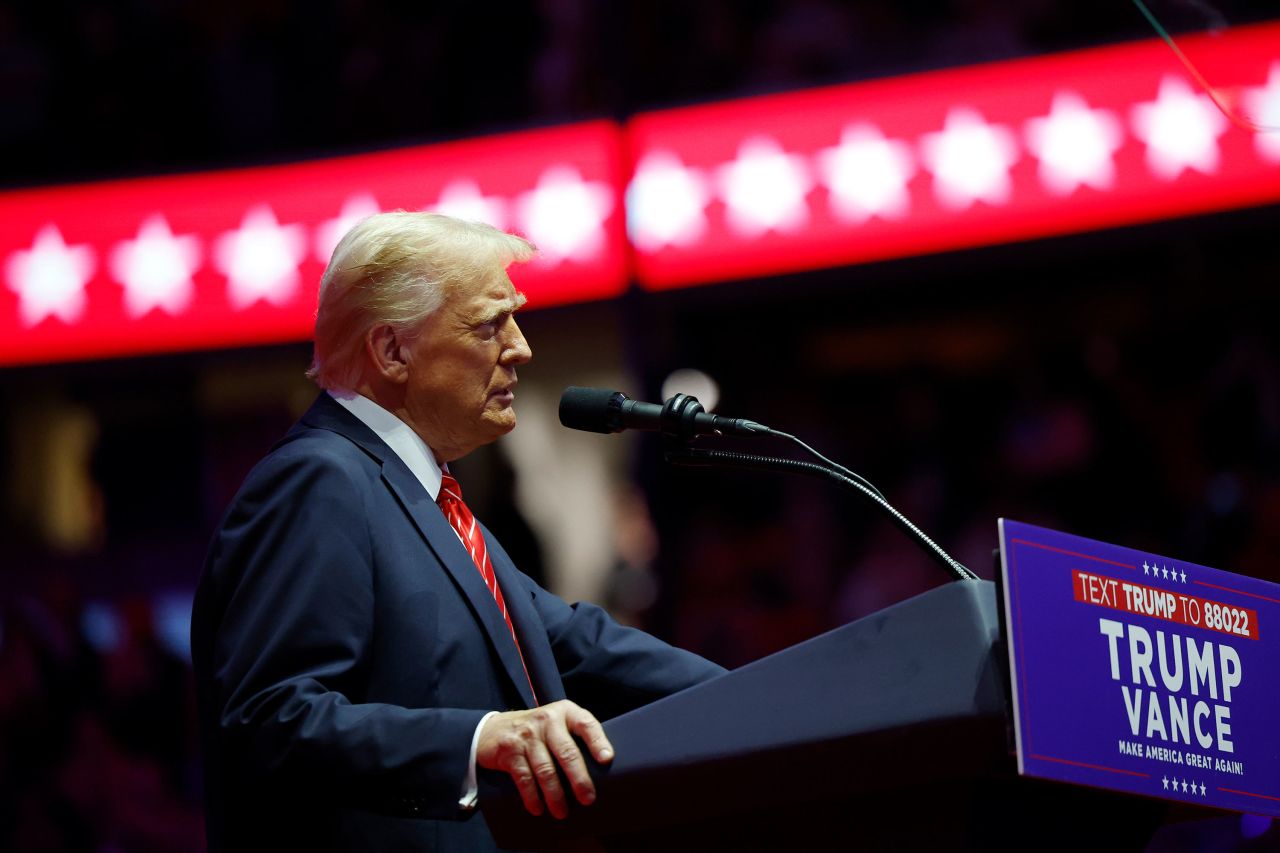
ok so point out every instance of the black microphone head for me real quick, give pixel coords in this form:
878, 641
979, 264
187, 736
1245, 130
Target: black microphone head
592, 409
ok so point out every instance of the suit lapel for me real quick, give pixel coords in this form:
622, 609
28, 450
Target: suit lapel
448, 548
439, 535
539, 659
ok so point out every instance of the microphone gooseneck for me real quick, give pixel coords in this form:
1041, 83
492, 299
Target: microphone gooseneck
681, 419
701, 457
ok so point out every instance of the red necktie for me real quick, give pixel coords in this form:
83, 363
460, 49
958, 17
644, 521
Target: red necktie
468, 530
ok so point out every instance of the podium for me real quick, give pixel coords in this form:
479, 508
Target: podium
889, 733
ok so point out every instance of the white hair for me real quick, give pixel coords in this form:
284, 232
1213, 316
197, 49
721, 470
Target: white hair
396, 269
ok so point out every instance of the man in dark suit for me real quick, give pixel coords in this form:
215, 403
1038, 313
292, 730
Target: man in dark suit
361, 643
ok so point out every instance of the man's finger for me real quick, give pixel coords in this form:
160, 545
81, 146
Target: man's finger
526, 784
544, 770
569, 756
584, 724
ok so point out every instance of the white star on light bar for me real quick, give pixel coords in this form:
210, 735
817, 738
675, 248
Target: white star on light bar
49, 278
565, 215
156, 268
331, 231
970, 159
665, 202
764, 188
260, 259
1181, 130
463, 199
1263, 104
1074, 145
867, 174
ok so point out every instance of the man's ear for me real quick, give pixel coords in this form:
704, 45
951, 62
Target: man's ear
386, 353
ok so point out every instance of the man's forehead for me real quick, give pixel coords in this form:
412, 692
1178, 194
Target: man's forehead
496, 285
500, 291
491, 298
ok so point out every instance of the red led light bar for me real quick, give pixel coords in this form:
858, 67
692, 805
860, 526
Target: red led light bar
951, 159
235, 257
926, 163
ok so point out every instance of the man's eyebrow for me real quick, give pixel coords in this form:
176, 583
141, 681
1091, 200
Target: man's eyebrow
503, 306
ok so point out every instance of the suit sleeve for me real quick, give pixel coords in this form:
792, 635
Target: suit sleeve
283, 627
608, 668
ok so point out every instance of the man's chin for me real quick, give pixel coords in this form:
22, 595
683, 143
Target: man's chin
502, 421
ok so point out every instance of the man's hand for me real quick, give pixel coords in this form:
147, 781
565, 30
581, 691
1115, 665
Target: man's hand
529, 744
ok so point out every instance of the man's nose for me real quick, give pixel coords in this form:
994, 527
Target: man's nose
515, 348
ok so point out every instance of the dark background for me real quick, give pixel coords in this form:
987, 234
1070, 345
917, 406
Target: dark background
1122, 385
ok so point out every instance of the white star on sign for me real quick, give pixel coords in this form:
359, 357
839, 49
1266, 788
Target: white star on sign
1263, 104
463, 199
1164, 571
331, 231
665, 202
1074, 145
970, 159
1146, 568
867, 174
1183, 576
565, 215
1181, 130
156, 268
1184, 786
1202, 789
49, 278
764, 188
260, 259
1165, 780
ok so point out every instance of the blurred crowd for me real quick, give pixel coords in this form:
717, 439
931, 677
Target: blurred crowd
97, 741
1176, 459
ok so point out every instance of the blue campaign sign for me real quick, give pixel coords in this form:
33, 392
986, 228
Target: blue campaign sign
1138, 673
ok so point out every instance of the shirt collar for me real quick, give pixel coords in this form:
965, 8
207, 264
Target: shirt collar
396, 434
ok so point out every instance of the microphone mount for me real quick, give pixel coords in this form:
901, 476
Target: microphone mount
679, 417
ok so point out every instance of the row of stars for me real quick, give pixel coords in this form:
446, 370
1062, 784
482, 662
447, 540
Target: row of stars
260, 259
1184, 785
1152, 570
765, 187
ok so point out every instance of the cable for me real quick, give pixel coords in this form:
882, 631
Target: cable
1219, 99
696, 457
835, 465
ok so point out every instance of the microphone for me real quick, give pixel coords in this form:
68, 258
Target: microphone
682, 416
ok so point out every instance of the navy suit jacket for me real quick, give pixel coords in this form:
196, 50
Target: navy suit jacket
345, 648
